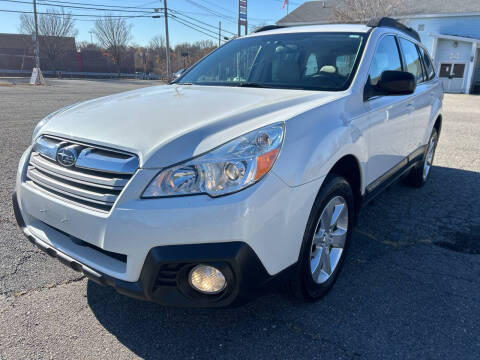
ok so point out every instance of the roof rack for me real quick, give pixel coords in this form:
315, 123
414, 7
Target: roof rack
268, 27
392, 23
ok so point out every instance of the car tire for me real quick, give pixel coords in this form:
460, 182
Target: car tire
320, 245
419, 175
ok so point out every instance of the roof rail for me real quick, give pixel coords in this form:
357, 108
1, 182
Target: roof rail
268, 27
392, 23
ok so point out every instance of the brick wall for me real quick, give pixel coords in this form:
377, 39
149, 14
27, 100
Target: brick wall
16, 53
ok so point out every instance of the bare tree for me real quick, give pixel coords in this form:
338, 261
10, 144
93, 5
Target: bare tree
363, 10
157, 55
113, 34
158, 43
87, 45
53, 27
185, 55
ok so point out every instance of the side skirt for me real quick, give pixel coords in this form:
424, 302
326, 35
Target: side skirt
393, 175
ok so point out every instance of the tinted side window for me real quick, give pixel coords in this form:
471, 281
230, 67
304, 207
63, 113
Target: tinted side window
386, 58
428, 64
412, 60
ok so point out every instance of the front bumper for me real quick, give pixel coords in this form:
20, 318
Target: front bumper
164, 274
254, 234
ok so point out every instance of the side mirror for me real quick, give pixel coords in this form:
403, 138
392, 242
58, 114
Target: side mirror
391, 83
396, 83
178, 73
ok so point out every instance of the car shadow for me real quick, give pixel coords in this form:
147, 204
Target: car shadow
390, 298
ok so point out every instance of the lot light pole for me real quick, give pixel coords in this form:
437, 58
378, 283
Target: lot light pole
36, 78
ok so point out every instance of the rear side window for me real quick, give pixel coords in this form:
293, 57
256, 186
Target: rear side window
413, 63
386, 57
428, 64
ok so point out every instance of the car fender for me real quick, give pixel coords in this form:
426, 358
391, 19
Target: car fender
316, 140
437, 108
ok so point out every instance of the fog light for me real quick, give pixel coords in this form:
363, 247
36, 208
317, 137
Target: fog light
207, 279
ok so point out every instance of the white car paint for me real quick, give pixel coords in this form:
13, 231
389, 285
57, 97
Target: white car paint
166, 125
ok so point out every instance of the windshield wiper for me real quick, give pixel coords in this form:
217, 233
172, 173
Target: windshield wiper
252, 84
270, 86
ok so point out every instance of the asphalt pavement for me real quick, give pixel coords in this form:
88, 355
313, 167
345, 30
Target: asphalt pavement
410, 288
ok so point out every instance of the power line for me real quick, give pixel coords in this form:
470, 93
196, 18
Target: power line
199, 21
101, 5
215, 13
197, 26
220, 7
43, 3
225, 17
192, 27
132, 18
73, 15
139, 12
150, 2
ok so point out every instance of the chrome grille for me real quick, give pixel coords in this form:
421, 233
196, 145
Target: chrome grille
95, 179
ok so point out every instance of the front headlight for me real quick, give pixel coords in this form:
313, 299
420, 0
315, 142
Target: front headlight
47, 118
224, 170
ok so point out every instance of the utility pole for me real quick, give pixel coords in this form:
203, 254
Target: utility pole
219, 33
37, 78
169, 72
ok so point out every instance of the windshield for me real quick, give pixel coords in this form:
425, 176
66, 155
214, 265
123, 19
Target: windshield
313, 61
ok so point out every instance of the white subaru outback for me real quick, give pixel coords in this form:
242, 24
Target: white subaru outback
254, 163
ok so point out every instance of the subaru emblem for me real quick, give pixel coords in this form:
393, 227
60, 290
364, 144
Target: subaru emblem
67, 156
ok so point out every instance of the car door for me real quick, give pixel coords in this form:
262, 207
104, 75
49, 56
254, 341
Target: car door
388, 116
422, 99
427, 102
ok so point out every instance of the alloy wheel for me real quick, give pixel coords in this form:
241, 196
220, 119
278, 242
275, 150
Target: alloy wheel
329, 240
429, 158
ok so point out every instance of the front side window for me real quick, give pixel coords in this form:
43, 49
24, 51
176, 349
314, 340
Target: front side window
412, 60
386, 58
428, 64
312, 61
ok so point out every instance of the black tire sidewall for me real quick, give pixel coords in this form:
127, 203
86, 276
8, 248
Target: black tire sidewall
333, 186
415, 177
434, 133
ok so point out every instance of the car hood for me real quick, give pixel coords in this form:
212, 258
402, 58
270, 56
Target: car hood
167, 124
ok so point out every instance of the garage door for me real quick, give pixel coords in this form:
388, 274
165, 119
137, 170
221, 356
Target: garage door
476, 76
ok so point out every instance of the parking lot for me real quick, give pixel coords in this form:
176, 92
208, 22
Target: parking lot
410, 288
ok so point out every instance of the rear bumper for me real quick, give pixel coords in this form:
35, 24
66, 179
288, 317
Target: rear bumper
163, 278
